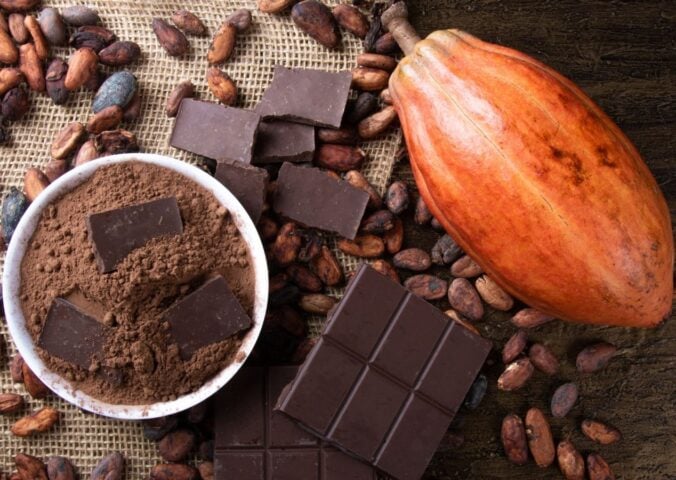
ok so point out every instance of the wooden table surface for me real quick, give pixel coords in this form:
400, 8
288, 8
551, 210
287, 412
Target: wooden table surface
623, 54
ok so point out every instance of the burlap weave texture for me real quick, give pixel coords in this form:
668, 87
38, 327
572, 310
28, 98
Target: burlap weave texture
273, 40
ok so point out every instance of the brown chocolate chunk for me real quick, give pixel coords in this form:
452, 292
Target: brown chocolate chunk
280, 141
116, 233
247, 183
208, 315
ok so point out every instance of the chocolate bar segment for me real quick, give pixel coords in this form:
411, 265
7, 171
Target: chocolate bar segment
314, 97
280, 141
208, 315
71, 335
254, 443
315, 199
247, 183
386, 378
116, 233
215, 131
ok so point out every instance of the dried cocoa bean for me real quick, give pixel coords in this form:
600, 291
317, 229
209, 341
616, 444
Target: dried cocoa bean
600, 432
436, 225
3, 23
206, 450
516, 375
304, 278
540, 440
31, 67
376, 124
10, 403
111, 467
357, 180
170, 38
60, 468
365, 105
363, 246
106, 119
34, 182
422, 215
385, 268
15, 104
14, 206
598, 468
274, 6
327, 268
67, 140
29, 467
340, 136
223, 44
464, 298
316, 19
513, 435
514, 346
465, 267
285, 295
16, 365
82, 67
189, 23
96, 80
8, 51
37, 422
116, 141
267, 228
80, 15
386, 97
132, 111
173, 471
530, 318
120, 53
106, 35
240, 19
428, 287
177, 445
369, 79
445, 251
287, 244
185, 89
476, 393
374, 60
595, 357
17, 28
456, 317
397, 197
543, 359
9, 78
564, 399
351, 19
206, 470
312, 246
88, 39
394, 238
55, 81
118, 89
87, 152
197, 413
386, 44
571, 462
33, 384
413, 259
53, 26
492, 294
155, 429
55, 168
339, 158
39, 40
222, 86
317, 304
378, 222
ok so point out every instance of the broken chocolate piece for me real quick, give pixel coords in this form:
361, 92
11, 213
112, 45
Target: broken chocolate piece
208, 315
314, 97
316, 199
116, 233
71, 335
247, 183
215, 131
279, 142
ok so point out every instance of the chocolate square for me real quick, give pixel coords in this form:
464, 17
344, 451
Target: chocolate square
280, 141
247, 183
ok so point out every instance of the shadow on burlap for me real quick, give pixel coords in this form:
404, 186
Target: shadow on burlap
273, 40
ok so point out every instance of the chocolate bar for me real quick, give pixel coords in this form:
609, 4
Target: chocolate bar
315, 199
215, 131
208, 315
280, 141
247, 183
71, 335
314, 97
116, 233
254, 443
386, 377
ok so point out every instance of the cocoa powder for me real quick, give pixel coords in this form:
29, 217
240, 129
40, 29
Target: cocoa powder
60, 263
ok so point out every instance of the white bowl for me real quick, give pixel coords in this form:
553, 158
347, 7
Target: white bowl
11, 284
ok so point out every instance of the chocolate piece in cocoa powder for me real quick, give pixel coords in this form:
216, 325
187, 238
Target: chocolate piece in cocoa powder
314, 97
215, 131
316, 199
71, 335
208, 315
116, 233
247, 183
280, 141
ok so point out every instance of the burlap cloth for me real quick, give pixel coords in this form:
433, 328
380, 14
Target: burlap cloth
273, 40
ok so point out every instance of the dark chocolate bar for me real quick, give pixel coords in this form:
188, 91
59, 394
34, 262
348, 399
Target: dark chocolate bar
255, 443
386, 377
116, 233
215, 131
208, 315
314, 97
71, 335
247, 183
315, 199
280, 141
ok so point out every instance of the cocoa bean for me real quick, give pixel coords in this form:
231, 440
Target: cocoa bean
304, 278
37, 422
15, 104
31, 67
267, 228
386, 44
170, 38
14, 206
289, 319
600, 432
422, 215
34, 182
365, 105
60, 468
514, 346
464, 298
316, 19
274, 6
465, 267
29, 467
177, 445
397, 197
118, 89
10, 403
312, 246
8, 51
206, 470
287, 244
116, 141
222, 86
185, 89
445, 251
9, 78
55, 81
39, 40
413, 259
563, 400
106, 35
595, 357
173, 471
132, 111
87, 152
476, 393
394, 238
17, 28
376, 124
386, 97
428, 287
369, 79
378, 222
106, 119
55, 168
317, 304
436, 225
240, 19
327, 268
82, 67
89, 39
3, 23
351, 19
385, 268
516, 375
53, 26
540, 440
339, 158
16, 365
571, 462
155, 429
492, 294
189, 23
513, 436
374, 60
198, 413
206, 450
340, 136
120, 53
530, 318
363, 246
598, 468
80, 15
357, 180
33, 384
462, 321
111, 467
223, 44
543, 359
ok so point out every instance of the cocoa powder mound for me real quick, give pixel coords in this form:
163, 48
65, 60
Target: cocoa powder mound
140, 363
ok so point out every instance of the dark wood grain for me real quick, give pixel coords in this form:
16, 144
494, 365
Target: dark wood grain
623, 54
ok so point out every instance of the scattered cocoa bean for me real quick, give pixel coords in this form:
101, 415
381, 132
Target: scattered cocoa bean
10, 403
206, 470
287, 244
304, 278
397, 197
465, 267
386, 97
543, 359
55, 168
436, 225
29, 467
240, 19
339, 158
37, 422
82, 67
317, 304
530, 318
177, 445
571, 462
170, 38
456, 317
173, 471
378, 222
87, 152
316, 19
33, 384
111, 467
84, 37
385, 268
369, 79
445, 251
287, 318
155, 429
394, 238
422, 215
600, 432
34, 182
428, 287
120, 53
365, 105
540, 440
118, 89
106, 35
564, 399
274, 6
60, 468
514, 346
185, 89
39, 40
493, 294
595, 357
16, 365
374, 125
312, 246
8, 51
3, 23
374, 60
17, 28
222, 86
413, 259
516, 375
327, 268
15, 104
116, 141
267, 228
9, 78
31, 67
340, 136
476, 393
95, 81
55, 81
513, 435
206, 450
356, 179
598, 468
132, 111
106, 119
351, 19
363, 246
53, 26
197, 413
14, 206
223, 44
189, 23
386, 44
464, 298
80, 15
